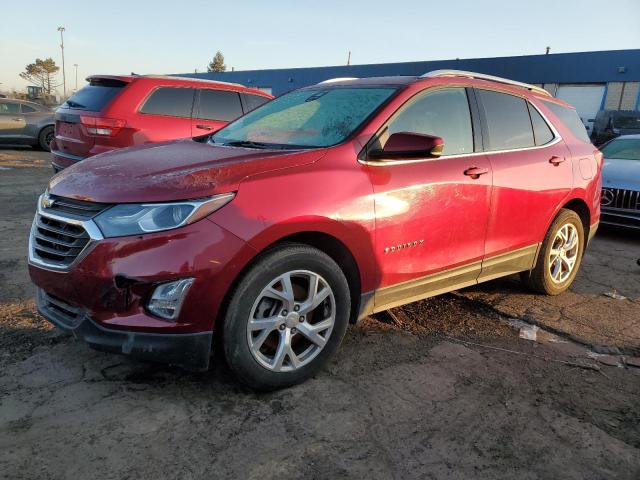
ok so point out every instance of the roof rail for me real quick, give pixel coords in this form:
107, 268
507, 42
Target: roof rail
193, 79
338, 79
482, 76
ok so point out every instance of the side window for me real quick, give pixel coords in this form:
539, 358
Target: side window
27, 109
251, 102
508, 121
6, 107
444, 113
219, 105
541, 132
175, 102
569, 117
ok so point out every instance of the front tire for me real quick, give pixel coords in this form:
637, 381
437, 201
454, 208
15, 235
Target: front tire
286, 317
560, 255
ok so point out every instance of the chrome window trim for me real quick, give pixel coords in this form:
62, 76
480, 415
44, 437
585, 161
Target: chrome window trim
556, 139
89, 226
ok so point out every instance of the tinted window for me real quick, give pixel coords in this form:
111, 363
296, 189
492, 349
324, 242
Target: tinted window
541, 132
251, 102
9, 107
27, 109
219, 105
313, 117
176, 102
569, 117
444, 113
95, 96
508, 122
622, 148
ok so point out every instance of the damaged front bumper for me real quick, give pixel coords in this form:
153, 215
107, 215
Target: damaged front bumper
190, 351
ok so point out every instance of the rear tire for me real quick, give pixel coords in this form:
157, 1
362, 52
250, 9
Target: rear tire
286, 317
45, 137
560, 256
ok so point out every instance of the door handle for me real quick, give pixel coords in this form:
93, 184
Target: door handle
555, 161
204, 127
475, 172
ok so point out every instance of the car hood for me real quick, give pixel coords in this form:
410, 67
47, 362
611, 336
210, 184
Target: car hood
170, 171
624, 174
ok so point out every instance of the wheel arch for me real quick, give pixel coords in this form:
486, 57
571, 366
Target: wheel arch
579, 206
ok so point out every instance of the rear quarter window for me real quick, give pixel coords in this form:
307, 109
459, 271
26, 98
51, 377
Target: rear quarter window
570, 119
171, 101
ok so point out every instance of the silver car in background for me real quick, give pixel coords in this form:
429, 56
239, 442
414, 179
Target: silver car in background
27, 123
620, 200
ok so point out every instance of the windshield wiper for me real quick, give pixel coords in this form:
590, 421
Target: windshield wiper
249, 144
73, 104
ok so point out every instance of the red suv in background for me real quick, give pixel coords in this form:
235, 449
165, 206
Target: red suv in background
121, 111
322, 206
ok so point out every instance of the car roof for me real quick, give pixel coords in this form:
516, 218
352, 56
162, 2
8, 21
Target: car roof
23, 102
179, 80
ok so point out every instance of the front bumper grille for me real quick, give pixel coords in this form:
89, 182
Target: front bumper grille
67, 316
620, 199
62, 231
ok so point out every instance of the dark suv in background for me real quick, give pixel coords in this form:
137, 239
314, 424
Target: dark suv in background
25, 122
610, 124
120, 111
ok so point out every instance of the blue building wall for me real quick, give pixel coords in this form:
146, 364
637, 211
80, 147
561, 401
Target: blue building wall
582, 67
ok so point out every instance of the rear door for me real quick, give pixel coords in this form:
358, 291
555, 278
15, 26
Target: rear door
166, 114
71, 136
215, 108
532, 174
12, 121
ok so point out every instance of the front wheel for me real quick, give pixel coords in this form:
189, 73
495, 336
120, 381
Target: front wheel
559, 257
286, 317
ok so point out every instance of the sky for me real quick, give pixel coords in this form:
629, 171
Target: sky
159, 36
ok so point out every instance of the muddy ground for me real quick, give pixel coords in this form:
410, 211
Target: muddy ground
443, 388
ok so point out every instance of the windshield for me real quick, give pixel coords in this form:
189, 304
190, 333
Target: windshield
626, 122
623, 148
317, 117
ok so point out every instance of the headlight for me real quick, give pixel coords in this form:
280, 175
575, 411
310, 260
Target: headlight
137, 218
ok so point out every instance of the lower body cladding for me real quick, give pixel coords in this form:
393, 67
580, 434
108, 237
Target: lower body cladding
104, 297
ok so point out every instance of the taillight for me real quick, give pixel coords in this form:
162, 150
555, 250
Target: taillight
104, 127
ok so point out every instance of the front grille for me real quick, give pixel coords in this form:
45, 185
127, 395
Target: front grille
57, 242
77, 208
59, 310
619, 198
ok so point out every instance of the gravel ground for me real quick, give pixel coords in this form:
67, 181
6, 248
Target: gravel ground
443, 388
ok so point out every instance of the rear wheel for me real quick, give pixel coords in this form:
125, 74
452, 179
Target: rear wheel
560, 255
45, 137
286, 317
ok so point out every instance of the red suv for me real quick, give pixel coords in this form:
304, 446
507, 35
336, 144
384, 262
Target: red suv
121, 111
322, 206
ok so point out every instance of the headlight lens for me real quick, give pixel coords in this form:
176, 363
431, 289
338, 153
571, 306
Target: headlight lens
138, 218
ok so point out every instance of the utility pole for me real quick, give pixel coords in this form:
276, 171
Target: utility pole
349, 58
548, 50
76, 66
64, 78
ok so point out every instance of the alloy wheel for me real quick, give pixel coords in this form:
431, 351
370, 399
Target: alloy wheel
563, 253
291, 320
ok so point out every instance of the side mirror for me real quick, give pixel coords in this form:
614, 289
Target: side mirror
408, 146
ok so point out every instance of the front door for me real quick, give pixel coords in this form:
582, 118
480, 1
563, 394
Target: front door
431, 214
12, 121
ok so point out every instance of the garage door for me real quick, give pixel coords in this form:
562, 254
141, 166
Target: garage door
585, 98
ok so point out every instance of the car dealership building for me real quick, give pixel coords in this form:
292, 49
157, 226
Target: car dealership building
590, 81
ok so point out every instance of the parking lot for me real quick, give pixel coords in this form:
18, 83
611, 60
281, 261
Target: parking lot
443, 388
